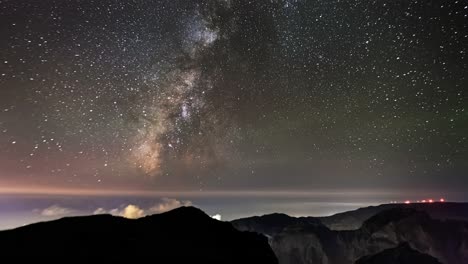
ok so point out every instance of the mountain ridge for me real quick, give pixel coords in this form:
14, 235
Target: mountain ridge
301, 242
183, 234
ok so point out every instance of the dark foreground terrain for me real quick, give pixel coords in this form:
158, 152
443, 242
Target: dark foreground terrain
386, 234
438, 230
403, 254
183, 235
354, 219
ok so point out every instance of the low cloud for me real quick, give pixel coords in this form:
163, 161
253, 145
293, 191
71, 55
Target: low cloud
133, 211
100, 210
217, 217
128, 211
56, 210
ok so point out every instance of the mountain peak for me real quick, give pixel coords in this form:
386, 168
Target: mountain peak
186, 211
184, 234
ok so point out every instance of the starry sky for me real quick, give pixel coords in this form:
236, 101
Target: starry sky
229, 96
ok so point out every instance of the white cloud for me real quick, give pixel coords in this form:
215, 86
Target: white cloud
56, 210
100, 210
129, 211
115, 211
217, 217
134, 211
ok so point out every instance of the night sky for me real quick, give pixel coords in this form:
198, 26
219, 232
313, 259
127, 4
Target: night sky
231, 96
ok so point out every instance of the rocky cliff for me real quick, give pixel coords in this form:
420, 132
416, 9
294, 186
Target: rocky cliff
312, 242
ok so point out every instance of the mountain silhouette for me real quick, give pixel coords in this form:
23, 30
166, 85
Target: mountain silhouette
306, 240
403, 254
354, 219
185, 234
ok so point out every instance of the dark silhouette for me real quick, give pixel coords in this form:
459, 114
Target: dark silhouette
354, 219
183, 235
271, 224
306, 240
403, 254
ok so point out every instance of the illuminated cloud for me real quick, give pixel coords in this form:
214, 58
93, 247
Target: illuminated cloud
100, 211
217, 217
134, 211
130, 211
56, 210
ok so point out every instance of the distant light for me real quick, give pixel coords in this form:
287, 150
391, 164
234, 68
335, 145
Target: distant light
407, 202
423, 201
431, 201
418, 201
442, 200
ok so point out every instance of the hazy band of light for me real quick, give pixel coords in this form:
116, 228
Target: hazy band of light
20, 190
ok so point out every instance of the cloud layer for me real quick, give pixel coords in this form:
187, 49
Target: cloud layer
56, 210
134, 211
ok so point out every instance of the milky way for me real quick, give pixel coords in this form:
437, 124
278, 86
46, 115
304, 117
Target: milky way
179, 95
227, 94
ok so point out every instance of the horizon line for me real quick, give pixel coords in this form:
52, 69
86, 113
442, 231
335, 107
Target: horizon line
319, 192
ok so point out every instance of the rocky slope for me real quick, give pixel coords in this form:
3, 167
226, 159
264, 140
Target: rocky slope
352, 220
403, 254
185, 234
271, 224
312, 242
